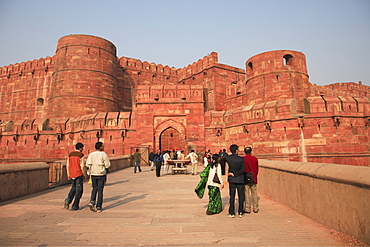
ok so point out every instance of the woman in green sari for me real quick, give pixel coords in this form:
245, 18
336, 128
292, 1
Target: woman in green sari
207, 179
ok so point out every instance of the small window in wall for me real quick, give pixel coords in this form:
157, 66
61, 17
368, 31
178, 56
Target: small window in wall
40, 102
250, 65
288, 59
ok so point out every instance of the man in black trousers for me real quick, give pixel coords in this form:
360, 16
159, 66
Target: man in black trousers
236, 180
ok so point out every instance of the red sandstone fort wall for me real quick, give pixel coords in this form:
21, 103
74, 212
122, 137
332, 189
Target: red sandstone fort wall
85, 93
25, 89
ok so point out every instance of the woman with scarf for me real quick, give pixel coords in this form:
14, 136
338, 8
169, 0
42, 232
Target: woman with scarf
207, 178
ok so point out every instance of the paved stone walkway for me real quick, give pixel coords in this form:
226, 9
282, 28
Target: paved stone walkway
141, 209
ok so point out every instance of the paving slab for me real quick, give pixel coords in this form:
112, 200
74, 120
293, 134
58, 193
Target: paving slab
142, 209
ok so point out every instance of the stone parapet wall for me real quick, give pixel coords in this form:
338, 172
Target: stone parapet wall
337, 196
23, 179
26, 178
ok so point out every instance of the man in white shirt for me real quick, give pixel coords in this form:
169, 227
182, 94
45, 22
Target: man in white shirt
194, 161
166, 157
98, 163
180, 155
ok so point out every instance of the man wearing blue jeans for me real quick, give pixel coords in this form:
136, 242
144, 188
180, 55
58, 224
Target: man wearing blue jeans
98, 164
76, 173
137, 159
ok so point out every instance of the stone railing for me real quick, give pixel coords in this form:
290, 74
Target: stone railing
58, 172
21, 179
337, 196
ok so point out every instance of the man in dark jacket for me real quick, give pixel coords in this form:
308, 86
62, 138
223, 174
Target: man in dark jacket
158, 161
236, 180
151, 159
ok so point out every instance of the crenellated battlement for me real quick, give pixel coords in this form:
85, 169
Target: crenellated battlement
89, 122
350, 88
347, 89
200, 65
140, 66
325, 106
31, 67
59, 137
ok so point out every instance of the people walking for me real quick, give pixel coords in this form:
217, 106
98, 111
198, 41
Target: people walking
137, 159
251, 164
98, 163
158, 161
194, 161
166, 157
76, 172
151, 160
236, 180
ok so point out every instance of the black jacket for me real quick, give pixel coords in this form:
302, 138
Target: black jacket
237, 167
151, 156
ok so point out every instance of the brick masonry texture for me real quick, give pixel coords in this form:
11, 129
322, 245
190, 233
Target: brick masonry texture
85, 93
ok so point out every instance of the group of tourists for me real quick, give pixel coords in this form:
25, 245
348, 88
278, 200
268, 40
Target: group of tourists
97, 165
238, 167
161, 158
96, 168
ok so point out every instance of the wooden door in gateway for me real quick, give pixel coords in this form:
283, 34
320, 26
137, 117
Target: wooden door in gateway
170, 139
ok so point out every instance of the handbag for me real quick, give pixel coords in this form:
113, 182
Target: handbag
248, 177
216, 179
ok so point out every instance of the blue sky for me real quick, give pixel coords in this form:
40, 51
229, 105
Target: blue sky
333, 34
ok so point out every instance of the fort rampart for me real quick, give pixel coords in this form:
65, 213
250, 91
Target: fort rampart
85, 93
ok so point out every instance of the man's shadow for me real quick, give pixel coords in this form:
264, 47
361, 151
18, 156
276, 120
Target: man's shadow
118, 182
120, 201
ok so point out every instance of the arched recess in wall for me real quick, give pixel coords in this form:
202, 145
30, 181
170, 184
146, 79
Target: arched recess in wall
172, 125
40, 102
250, 68
288, 59
170, 139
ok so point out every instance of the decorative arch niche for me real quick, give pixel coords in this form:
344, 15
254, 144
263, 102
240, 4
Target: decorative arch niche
170, 134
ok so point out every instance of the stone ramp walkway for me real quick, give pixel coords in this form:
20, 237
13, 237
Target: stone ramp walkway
141, 209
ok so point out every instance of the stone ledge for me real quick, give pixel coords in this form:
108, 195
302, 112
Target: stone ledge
6, 168
353, 175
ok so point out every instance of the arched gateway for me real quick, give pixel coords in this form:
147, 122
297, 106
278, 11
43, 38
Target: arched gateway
170, 135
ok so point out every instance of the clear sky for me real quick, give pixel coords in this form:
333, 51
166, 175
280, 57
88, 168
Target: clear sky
333, 34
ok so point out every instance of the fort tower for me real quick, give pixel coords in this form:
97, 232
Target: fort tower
84, 81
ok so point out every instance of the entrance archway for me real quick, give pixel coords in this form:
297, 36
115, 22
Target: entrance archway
170, 139
170, 134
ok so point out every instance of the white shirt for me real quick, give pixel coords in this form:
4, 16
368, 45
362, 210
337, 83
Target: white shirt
97, 162
193, 157
180, 156
166, 157
211, 175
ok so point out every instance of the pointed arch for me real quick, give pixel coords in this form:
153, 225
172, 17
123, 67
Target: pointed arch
171, 125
